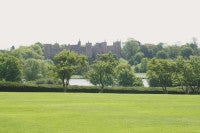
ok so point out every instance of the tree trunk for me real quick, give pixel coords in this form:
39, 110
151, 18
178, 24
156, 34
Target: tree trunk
67, 84
102, 88
63, 82
166, 90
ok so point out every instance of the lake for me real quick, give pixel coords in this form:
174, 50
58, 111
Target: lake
84, 82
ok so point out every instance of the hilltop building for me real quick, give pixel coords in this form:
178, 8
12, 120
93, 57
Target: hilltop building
89, 50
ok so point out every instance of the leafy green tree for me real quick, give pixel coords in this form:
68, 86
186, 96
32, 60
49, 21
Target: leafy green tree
125, 76
144, 65
173, 51
66, 64
144, 50
131, 61
161, 55
131, 47
187, 74
44, 67
10, 68
138, 57
134, 60
150, 48
37, 48
32, 69
12, 48
102, 71
157, 48
186, 52
23, 52
194, 82
177, 68
161, 70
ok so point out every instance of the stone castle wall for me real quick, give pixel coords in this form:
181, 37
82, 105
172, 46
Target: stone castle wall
89, 50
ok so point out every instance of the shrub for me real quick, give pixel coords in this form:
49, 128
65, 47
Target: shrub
20, 87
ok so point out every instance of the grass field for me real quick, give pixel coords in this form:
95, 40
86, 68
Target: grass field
98, 113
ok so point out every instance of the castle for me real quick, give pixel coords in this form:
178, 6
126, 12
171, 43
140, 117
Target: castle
89, 50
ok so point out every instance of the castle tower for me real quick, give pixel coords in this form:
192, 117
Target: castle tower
89, 49
47, 51
117, 48
79, 43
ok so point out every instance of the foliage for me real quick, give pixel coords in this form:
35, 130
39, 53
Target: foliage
66, 64
187, 74
10, 68
142, 67
102, 71
186, 52
32, 69
33, 51
161, 55
131, 47
32, 87
48, 81
173, 51
161, 70
125, 76
122, 60
138, 57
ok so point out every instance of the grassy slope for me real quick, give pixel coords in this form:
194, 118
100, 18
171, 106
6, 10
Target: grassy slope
122, 60
98, 113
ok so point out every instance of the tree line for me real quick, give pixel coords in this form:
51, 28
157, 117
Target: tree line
106, 69
138, 54
103, 71
180, 72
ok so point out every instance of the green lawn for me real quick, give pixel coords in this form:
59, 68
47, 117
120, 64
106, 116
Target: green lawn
98, 113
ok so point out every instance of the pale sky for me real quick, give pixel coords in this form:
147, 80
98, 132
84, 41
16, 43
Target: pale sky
24, 22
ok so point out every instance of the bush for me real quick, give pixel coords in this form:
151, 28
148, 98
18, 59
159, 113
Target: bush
20, 87
48, 81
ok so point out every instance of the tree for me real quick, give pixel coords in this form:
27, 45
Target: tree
102, 71
187, 74
157, 48
134, 60
144, 50
23, 52
131, 47
186, 52
12, 48
194, 83
34, 69
10, 68
161, 70
37, 48
161, 55
66, 64
144, 65
131, 61
173, 51
150, 48
138, 57
125, 76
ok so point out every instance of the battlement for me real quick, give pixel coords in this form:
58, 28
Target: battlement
50, 50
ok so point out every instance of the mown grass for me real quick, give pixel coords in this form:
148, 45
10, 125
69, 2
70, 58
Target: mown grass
25, 112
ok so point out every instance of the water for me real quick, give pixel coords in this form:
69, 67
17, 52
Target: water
81, 82
145, 82
84, 82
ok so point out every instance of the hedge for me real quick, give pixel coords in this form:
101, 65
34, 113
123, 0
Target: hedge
21, 87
